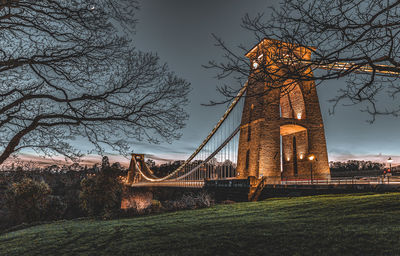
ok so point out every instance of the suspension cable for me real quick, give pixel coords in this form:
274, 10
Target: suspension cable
210, 135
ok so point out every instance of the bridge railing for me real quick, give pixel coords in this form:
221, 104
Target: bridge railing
228, 183
184, 184
343, 180
246, 183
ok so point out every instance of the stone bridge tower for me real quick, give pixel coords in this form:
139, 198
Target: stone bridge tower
281, 123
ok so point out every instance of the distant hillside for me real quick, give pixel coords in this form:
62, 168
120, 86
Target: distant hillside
320, 225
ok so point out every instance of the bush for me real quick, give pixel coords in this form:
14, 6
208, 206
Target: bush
71, 198
138, 203
156, 206
27, 200
101, 194
189, 201
56, 207
203, 199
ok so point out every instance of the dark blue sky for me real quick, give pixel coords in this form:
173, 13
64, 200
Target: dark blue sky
180, 32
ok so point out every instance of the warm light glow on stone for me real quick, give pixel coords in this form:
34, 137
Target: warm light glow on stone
290, 129
282, 157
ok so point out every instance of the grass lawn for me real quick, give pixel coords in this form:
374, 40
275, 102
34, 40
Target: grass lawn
367, 224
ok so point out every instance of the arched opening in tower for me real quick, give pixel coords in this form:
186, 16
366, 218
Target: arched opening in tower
294, 147
292, 101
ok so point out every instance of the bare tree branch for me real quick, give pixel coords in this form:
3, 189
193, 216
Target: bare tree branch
361, 36
69, 71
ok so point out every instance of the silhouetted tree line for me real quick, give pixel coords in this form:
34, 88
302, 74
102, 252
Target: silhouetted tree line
212, 165
59, 192
355, 165
163, 169
54, 193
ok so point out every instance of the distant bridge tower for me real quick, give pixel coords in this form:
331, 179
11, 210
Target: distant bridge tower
281, 122
134, 175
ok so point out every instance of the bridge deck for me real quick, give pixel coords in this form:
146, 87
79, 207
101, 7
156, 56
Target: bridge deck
185, 184
241, 190
284, 183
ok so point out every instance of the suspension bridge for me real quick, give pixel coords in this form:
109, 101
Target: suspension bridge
272, 133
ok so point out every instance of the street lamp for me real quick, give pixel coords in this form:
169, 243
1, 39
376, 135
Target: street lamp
390, 160
311, 158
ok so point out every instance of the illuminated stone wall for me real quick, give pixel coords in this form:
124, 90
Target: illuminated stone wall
301, 156
290, 110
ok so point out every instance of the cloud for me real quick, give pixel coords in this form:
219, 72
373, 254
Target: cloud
162, 148
90, 160
381, 158
164, 159
60, 160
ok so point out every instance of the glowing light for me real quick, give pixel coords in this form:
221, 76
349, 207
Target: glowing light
301, 156
288, 159
311, 157
299, 116
255, 64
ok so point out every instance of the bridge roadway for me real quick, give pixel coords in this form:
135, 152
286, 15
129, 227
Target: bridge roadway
250, 190
285, 183
185, 184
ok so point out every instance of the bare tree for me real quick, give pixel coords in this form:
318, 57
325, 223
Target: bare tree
69, 72
357, 39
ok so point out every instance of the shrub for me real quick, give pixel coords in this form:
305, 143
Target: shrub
138, 203
71, 198
189, 201
203, 199
156, 206
27, 200
101, 194
56, 208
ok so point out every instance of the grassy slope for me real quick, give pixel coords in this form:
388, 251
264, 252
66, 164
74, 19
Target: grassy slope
318, 225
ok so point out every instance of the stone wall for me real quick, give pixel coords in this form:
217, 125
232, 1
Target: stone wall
290, 109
